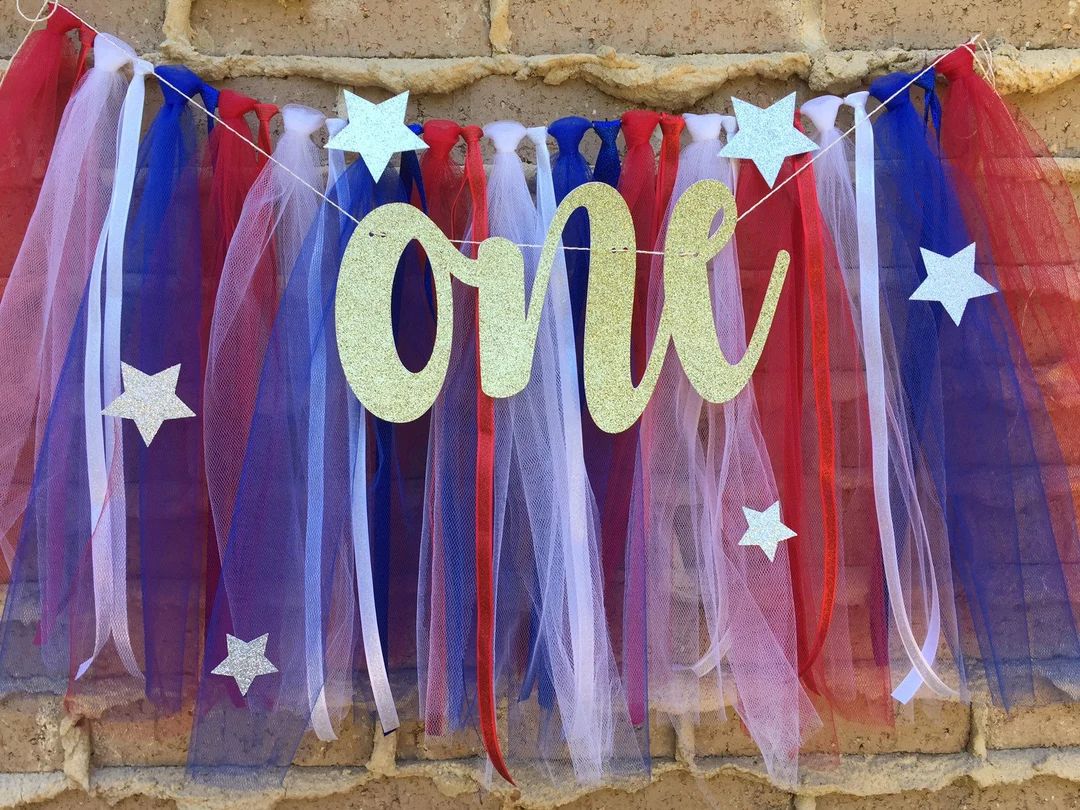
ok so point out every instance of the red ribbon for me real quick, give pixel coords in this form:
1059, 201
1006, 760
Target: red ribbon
485, 484
265, 112
671, 126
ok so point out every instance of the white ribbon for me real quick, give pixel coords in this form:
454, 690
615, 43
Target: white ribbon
365, 585
320, 720
577, 565
102, 384
922, 660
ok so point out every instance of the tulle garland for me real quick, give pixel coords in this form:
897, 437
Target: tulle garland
549, 584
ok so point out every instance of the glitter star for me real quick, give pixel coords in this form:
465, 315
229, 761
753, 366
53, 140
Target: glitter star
952, 281
149, 400
376, 131
246, 661
764, 530
767, 136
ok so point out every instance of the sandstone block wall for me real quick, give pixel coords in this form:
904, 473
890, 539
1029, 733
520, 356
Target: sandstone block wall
535, 60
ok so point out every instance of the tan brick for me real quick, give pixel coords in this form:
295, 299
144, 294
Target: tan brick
1045, 726
681, 790
135, 734
403, 791
949, 798
135, 21
77, 800
405, 28
641, 26
352, 746
931, 727
930, 24
30, 733
1053, 115
1041, 792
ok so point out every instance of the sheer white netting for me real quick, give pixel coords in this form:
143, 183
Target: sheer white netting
42, 298
546, 522
277, 214
911, 521
721, 617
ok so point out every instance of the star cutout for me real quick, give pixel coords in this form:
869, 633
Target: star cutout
764, 530
246, 661
767, 136
149, 400
376, 131
952, 281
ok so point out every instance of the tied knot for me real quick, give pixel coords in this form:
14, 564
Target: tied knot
441, 135
822, 112
301, 120
112, 54
857, 100
210, 96
265, 112
538, 136
61, 20
926, 81
233, 105
705, 127
472, 134
505, 135
671, 125
335, 125
638, 126
607, 131
568, 132
178, 84
960, 62
891, 90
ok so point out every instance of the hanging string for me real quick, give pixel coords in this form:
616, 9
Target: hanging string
267, 156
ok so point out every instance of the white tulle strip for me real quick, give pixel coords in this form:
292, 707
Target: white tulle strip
546, 524
102, 384
849, 211
703, 464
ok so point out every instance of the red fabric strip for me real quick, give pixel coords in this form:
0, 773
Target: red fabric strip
671, 126
265, 112
485, 482
814, 259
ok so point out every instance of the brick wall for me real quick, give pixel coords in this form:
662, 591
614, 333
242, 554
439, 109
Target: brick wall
536, 60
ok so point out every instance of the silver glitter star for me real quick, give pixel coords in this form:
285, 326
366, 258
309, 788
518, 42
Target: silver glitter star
952, 281
764, 530
149, 399
376, 131
767, 136
246, 661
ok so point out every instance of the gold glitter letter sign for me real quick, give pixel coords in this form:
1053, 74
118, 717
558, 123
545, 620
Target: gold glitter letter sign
362, 309
508, 330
